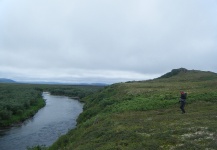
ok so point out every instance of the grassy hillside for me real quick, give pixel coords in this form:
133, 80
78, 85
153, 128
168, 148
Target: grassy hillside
146, 115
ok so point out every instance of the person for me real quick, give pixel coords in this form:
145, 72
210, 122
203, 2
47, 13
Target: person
183, 101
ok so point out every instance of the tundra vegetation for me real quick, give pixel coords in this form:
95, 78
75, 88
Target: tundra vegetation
21, 101
146, 115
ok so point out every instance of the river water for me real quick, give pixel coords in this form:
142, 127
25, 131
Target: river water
55, 119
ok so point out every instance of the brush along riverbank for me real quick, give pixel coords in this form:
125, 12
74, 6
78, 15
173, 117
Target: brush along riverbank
18, 102
21, 101
146, 115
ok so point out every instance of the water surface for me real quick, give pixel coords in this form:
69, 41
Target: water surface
55, 119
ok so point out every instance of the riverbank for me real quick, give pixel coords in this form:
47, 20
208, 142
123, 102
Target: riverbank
18, 102
18, 119
21, 101
55, 119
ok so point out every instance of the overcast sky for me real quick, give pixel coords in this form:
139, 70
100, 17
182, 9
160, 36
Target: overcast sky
105, 40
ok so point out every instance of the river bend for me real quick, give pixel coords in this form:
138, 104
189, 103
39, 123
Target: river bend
55, 119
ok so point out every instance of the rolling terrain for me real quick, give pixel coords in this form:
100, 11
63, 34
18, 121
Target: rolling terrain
146, 115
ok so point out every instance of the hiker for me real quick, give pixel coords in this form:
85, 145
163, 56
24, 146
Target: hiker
183, 101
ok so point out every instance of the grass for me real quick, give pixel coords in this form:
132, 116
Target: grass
153, 129
146, 115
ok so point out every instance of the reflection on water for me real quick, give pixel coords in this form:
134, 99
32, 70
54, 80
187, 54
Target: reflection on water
55, 119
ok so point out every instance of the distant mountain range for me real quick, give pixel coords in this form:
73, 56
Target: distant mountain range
60, 83
4, 80
180, 74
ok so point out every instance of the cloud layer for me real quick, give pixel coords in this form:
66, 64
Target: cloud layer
105, 41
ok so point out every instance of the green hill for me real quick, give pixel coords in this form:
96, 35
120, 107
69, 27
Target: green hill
183, 74
146, 115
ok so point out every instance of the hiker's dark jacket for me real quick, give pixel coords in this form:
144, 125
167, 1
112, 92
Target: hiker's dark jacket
183, 97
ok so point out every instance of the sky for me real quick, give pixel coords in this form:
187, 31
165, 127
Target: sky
105, 41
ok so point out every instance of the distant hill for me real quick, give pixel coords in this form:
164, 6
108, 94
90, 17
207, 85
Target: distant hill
174, 72
4, 80
189, 75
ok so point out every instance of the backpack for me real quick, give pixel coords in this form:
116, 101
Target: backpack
183, 95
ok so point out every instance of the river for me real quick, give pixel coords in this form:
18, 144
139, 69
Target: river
55, 119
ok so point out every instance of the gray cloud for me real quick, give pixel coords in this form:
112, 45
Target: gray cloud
106, 41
